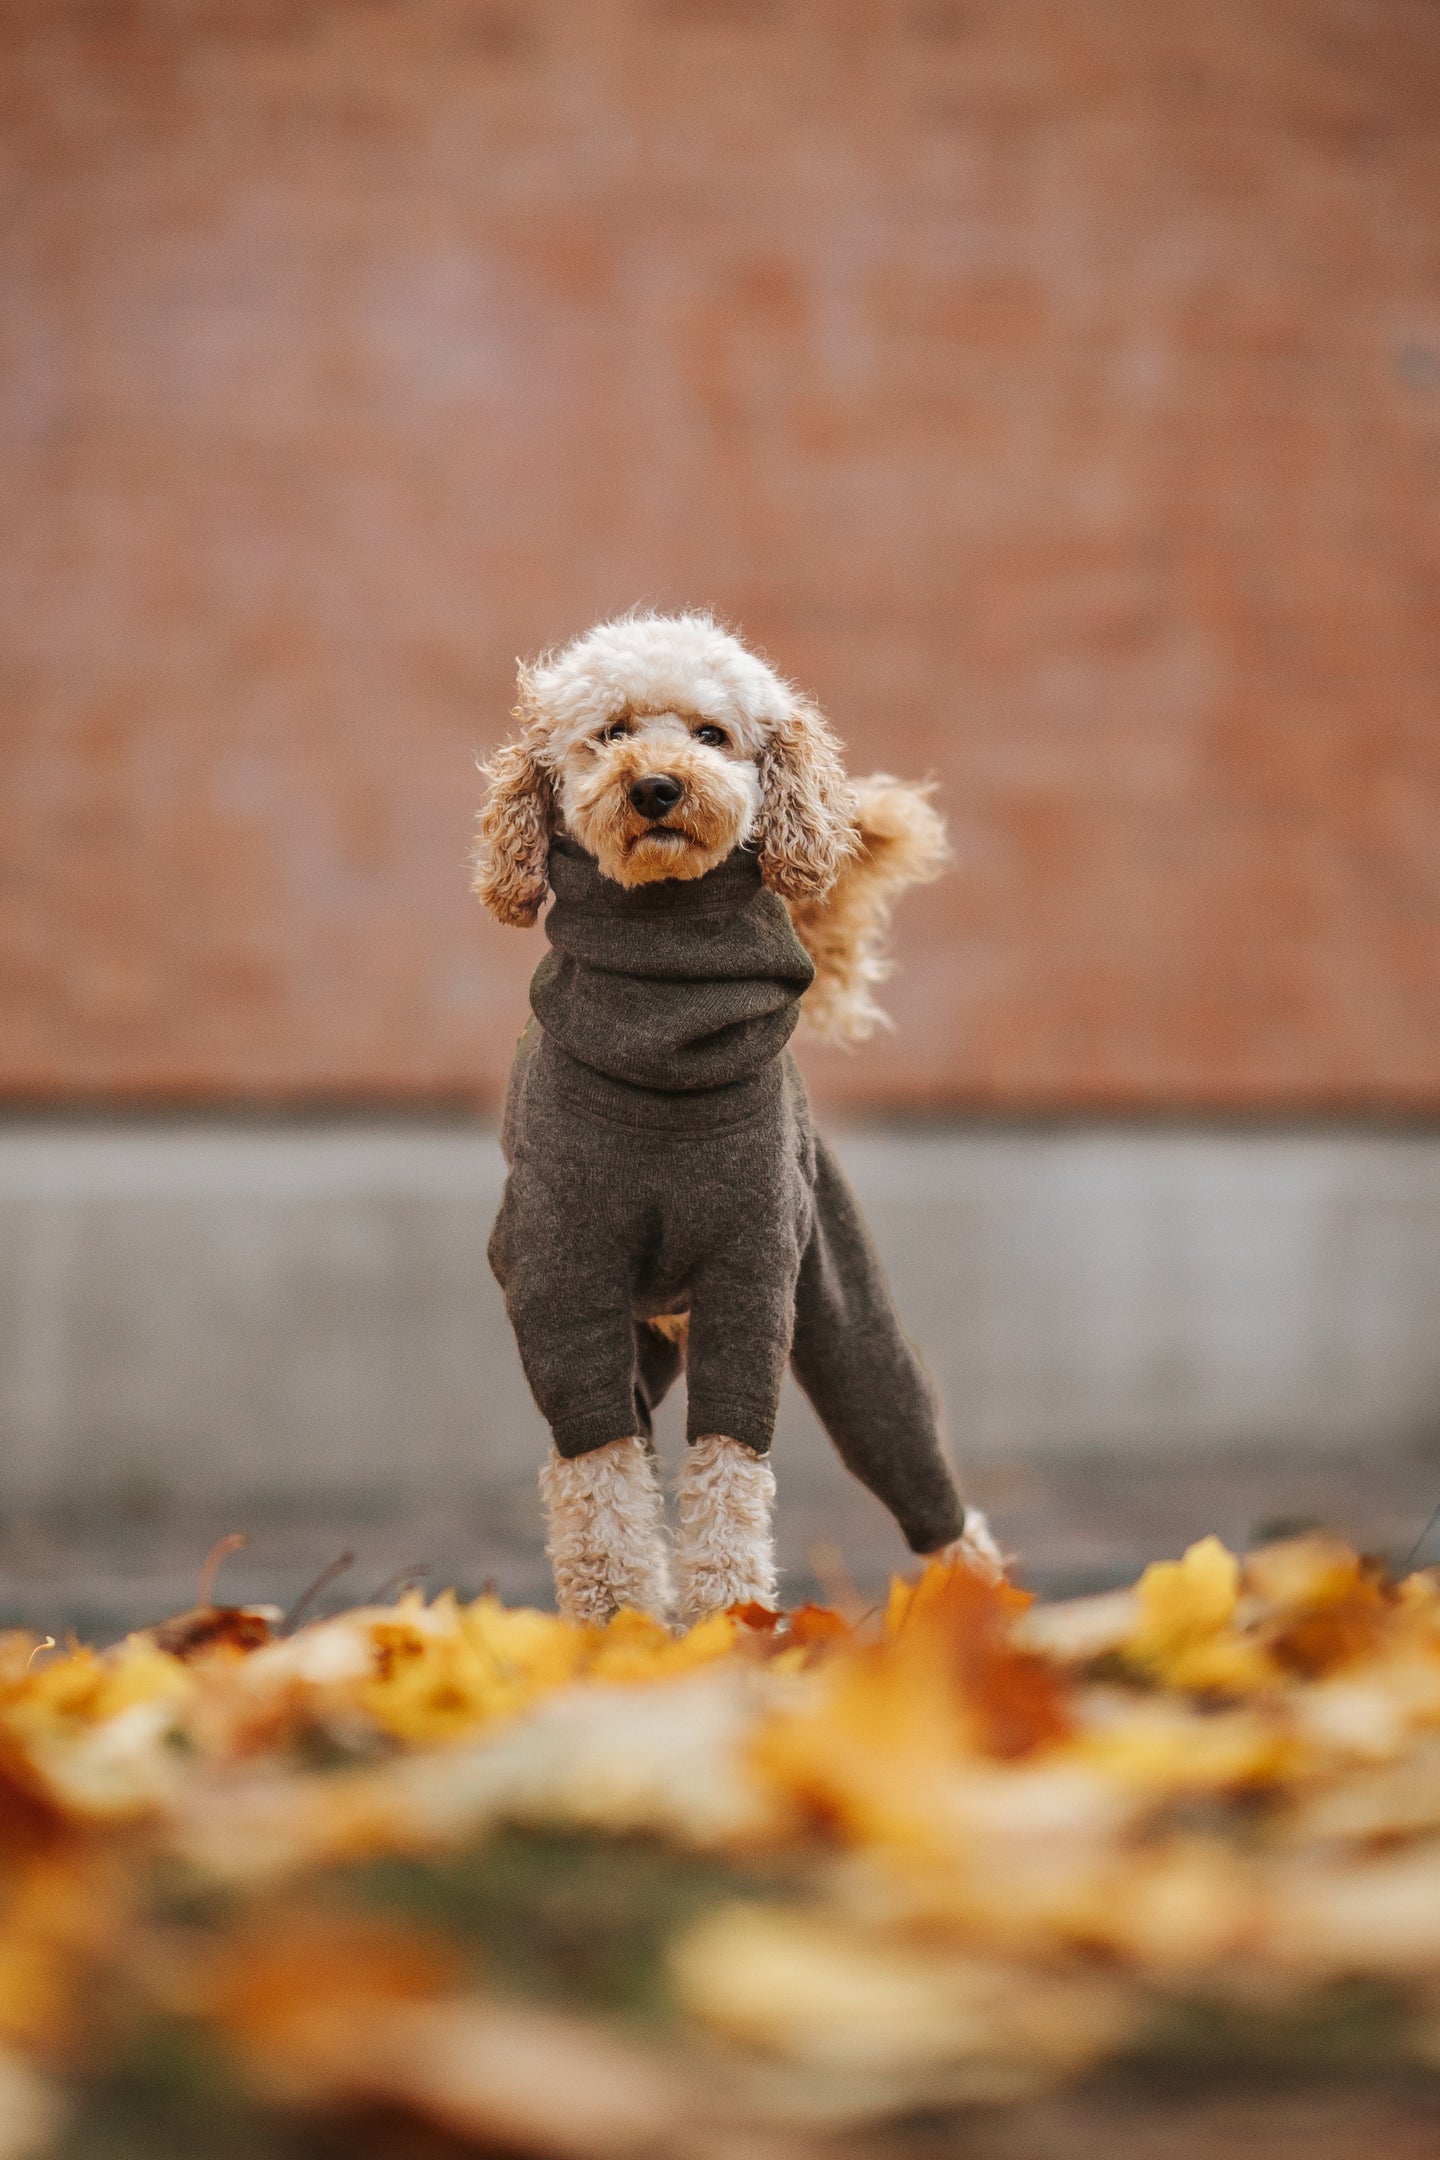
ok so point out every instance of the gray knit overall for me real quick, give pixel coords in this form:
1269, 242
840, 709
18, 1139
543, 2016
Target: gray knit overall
663, 1159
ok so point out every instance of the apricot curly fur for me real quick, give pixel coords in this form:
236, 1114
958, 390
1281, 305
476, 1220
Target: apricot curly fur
517, 818
901, 842
807, 829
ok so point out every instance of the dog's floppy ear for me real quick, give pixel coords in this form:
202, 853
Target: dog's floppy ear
807, 825
517, 817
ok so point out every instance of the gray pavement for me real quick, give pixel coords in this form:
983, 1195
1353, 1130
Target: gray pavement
1074, 1526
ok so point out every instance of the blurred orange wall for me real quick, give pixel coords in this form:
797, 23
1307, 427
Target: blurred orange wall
1053, 388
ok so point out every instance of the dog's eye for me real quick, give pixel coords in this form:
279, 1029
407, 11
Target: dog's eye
715, 736
614, 731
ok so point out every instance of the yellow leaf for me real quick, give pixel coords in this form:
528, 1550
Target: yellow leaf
1185, 1635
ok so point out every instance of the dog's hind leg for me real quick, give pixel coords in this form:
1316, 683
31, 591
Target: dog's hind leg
605, 1528
866, 1383
725, 1555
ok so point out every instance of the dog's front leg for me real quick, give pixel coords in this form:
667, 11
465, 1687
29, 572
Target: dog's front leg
735, 1363
725, 1555
606, 1532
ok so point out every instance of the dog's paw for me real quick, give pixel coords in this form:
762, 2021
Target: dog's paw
975, 1548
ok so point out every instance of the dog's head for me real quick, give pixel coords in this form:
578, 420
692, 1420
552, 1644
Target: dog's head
660, 744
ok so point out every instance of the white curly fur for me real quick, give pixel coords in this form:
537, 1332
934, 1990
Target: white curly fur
643, 662
606, 1532
724, 1553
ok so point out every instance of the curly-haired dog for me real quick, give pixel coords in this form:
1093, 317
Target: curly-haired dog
668, 1199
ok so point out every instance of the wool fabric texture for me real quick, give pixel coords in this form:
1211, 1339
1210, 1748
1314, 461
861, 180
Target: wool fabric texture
662, 1159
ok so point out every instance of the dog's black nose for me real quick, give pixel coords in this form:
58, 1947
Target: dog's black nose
656, 794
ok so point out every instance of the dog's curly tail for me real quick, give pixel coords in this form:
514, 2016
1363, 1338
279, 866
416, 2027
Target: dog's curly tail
902, 842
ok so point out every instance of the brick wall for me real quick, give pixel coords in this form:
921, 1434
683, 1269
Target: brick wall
1054, 388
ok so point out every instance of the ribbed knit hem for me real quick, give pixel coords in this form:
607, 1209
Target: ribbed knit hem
752, 1424
585, 1430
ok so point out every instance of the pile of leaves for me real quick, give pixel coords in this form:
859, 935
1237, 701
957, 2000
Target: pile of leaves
504, 1884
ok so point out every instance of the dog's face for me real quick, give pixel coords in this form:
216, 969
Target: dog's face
660, 743
660, 794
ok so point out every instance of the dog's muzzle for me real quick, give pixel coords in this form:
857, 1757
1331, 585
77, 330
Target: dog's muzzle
656, 794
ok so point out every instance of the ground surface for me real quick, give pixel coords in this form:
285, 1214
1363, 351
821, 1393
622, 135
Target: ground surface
1239, 2123
1075, 1527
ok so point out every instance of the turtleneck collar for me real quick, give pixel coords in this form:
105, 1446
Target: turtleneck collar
685, 984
